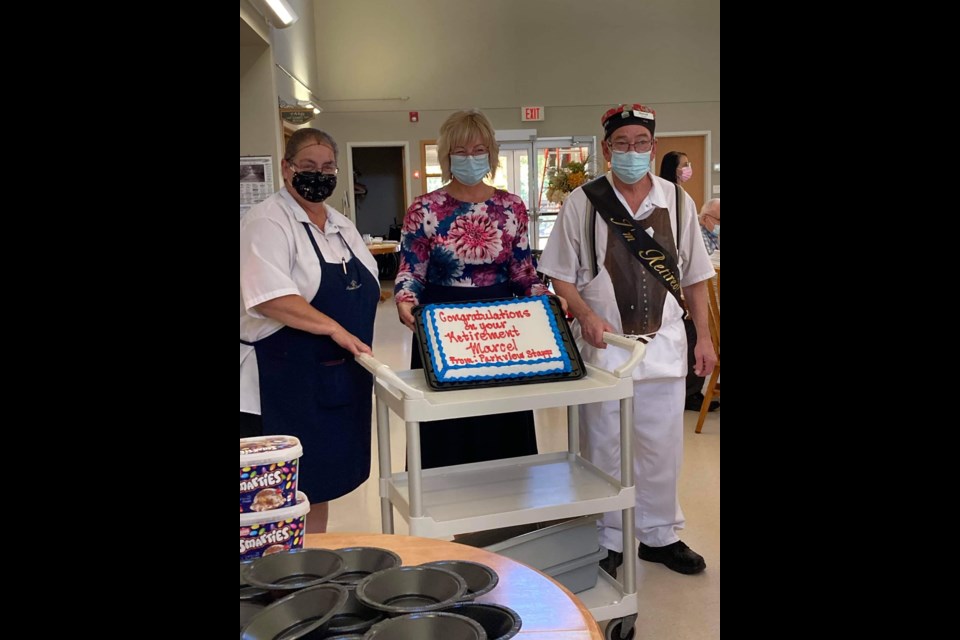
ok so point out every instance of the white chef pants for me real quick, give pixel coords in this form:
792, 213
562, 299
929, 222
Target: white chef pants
657, 455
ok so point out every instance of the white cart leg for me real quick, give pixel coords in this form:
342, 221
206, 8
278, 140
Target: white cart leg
386, 470
413, 473
573, 431
626, 480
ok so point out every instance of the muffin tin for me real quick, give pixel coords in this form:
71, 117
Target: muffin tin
363, 592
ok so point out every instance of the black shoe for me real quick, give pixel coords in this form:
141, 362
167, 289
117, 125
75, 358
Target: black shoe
613, 560
695, 401
677, 556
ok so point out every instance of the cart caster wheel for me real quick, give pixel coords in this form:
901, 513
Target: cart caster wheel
613, 630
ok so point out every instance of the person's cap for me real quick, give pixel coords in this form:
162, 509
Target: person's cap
624, 114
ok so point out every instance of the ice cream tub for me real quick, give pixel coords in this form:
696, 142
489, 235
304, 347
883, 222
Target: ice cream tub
268, 472
263, 533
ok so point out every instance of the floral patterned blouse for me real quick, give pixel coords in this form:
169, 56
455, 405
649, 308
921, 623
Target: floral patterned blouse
465, 244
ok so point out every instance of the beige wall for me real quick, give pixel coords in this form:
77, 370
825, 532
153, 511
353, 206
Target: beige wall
258, 106
498, 53
576, 58
295, 49
262, 86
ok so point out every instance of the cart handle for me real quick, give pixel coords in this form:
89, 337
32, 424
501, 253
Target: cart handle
386, 374
638, 349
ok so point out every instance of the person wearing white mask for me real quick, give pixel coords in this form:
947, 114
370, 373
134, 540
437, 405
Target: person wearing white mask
467, 241
624, 275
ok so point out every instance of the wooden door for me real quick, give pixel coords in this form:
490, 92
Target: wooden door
692, 146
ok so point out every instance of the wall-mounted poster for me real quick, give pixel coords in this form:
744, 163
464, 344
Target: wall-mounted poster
256, 180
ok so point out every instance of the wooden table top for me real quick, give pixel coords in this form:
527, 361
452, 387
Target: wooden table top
379, 248
547, 608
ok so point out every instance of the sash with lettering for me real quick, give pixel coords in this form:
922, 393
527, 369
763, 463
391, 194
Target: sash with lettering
644, 248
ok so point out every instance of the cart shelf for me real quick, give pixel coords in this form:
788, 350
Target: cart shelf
503, 493
500, 493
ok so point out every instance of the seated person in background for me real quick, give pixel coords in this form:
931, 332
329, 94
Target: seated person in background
710, 224
710, 229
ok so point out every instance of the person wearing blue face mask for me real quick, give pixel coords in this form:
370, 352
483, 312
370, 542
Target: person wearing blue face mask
308, 297
625, 274
462, 242
710, 225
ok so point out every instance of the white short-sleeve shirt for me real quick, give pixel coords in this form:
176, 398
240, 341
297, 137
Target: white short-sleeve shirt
277, 259
566, 258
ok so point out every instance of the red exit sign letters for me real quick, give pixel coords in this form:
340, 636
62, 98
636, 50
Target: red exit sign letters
531, 113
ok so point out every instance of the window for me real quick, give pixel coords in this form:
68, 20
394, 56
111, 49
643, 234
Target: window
550, 158
430, 175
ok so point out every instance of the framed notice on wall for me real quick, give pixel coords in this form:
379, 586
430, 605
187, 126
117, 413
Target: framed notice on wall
256, 180
496, 343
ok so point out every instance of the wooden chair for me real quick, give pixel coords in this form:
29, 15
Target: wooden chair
713, 319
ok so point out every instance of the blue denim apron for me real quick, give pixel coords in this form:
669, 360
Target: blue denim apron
313, 389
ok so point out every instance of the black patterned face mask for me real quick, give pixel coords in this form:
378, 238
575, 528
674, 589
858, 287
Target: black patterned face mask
314, 186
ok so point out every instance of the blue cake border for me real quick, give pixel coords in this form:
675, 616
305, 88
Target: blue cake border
565, 365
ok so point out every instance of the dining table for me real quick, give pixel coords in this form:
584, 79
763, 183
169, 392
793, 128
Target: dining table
380, 249
547, 609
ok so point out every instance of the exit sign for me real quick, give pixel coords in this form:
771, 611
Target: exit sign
531, 113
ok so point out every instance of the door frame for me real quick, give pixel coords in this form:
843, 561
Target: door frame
707, 153
350, 198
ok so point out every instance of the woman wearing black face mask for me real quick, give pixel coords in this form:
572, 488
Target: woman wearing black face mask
308, 296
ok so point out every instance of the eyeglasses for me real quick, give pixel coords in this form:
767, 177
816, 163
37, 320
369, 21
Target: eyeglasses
623, 146
463, 151
310, 167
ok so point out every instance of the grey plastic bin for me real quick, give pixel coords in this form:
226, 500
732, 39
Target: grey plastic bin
579, 574
554, 545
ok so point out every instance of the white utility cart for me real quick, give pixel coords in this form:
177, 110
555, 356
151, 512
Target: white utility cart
514, 491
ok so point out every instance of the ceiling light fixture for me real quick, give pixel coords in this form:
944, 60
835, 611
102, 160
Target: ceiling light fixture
278, 13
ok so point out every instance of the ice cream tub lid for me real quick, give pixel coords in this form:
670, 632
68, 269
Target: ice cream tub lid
268, 449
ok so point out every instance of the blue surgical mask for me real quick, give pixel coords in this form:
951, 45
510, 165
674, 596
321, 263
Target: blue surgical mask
630, 166
716, 229
470, 169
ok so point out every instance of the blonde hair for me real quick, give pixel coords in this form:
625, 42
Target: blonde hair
458, 130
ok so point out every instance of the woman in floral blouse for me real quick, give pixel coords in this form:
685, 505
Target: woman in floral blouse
467, 241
